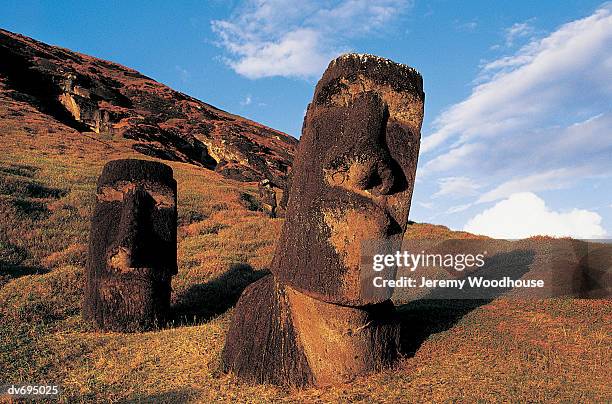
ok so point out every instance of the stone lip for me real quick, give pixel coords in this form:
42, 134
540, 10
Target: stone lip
136, 170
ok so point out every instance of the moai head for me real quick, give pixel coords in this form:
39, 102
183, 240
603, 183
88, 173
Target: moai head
353, 175
267, 196
132, 251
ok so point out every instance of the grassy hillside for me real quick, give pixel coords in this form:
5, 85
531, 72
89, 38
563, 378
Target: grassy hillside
506, 350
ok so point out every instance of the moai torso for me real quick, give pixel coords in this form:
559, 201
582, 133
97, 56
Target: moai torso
267, 196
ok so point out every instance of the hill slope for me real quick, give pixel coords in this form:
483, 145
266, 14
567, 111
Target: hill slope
81, 93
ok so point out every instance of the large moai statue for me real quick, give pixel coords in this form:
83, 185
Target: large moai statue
314, 321
132, 246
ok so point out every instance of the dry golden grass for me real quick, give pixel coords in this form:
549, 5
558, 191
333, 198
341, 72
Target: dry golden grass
546, 350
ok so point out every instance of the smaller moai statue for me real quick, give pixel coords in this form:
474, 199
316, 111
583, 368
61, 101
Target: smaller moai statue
132, 247
267, 195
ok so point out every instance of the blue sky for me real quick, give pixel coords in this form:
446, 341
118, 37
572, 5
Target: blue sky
517, 134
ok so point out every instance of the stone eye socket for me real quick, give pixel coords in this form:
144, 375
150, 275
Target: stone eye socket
337, 172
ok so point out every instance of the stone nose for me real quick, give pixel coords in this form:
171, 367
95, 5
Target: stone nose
132, 237
375, 176
371, 167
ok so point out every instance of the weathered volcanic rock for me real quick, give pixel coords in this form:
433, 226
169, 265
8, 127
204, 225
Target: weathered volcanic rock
314, 320
353, 175
281, 336
262, 344
132, 246
93, 95
267, 195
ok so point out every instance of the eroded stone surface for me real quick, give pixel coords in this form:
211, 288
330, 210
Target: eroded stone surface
281, 336
132, 246
267, 196
262, 345
340, 342
356, 163
312, 321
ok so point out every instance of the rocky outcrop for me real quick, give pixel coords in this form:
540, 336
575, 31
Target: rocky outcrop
80, 102
352, 181
93, 95
267, 196
132, 247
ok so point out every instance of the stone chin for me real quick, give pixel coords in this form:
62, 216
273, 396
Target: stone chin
348, 228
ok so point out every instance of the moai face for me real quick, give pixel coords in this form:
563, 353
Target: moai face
353, 175
132, 252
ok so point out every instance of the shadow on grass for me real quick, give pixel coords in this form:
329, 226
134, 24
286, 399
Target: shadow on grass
9, 271
12, 262
27, 196
202, 302
437, 312
18, 181
19, 169
35, 210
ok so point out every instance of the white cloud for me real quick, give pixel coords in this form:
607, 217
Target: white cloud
296, 54
426, 205
456, 187
469, 26
584, 138
291, 38
525, 214
458, 208
565, 72
453, 158
247, 100
553, 179
518, 30
538, 119
579, 150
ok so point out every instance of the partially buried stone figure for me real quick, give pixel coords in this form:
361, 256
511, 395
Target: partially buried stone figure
314, 321
267, 196
132, 246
